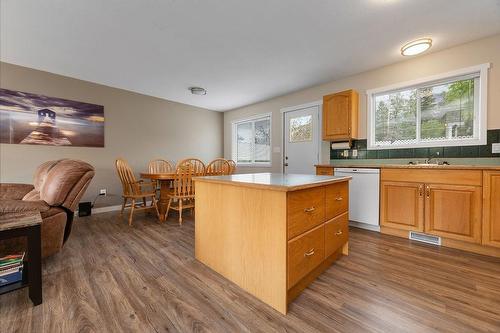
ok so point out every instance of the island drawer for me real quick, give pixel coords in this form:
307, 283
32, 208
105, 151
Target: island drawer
336, 234
306, 209
305, 253
337, 199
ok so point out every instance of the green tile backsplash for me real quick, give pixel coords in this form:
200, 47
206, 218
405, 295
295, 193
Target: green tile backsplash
493, 136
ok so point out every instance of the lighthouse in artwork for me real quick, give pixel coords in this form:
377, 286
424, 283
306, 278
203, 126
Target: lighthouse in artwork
47, 131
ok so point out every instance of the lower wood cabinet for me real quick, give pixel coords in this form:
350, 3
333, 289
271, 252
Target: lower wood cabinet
491, 208
336, 234
305, 253
324, 170
402, 205
449, 205
306, 209
453, 211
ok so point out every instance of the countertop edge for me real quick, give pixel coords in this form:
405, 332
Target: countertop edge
407, 166
281, 188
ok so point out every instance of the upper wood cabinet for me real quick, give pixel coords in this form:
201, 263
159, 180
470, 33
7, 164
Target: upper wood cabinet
491, 208
402, 205
453, 211
340, 116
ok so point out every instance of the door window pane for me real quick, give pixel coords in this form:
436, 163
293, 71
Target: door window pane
301, 129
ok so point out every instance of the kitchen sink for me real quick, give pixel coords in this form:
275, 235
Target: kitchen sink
429, 163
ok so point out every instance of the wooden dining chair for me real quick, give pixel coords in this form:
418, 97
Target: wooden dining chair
136, 190
160, 166
182, 195
232, 164
218, 167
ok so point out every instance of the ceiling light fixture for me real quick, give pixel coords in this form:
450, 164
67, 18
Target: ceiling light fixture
416, 47
197, 91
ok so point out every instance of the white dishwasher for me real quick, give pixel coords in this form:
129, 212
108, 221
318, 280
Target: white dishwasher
363, 196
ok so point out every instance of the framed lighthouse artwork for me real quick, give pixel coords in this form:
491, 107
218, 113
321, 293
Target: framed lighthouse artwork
27, 118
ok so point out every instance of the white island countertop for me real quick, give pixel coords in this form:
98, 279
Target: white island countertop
274, 181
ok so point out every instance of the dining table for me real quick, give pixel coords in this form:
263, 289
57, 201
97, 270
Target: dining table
165, 180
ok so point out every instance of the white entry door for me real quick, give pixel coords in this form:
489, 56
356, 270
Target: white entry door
301, 140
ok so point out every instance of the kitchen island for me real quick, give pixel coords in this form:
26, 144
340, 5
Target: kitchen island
271, 234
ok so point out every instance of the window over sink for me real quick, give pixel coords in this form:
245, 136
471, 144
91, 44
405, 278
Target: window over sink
251, 141
443, 110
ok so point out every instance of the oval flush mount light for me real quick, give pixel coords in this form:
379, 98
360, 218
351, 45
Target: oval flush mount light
197, 91
416, 47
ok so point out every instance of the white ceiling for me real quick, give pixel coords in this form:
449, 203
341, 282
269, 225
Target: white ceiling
241, 51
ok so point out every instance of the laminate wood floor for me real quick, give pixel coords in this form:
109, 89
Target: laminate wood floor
114, 278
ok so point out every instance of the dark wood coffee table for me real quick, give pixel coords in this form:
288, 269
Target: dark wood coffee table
28, 225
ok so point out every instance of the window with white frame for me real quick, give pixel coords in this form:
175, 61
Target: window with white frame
251, 144
445, 110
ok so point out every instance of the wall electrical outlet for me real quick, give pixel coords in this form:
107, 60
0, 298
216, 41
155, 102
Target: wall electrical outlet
345, 153
102, 191
354, 153
495, 148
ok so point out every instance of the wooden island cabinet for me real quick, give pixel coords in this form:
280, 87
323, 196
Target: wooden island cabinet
271, 234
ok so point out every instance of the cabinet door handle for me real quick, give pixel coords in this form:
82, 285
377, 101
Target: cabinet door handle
428, 191
309, 210
420, 190
339, 198
338, 233
309, 253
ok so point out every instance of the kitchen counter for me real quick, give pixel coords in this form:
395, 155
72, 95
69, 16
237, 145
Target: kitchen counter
415, 166
271, 234
274, 181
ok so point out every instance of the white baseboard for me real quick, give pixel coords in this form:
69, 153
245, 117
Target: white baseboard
366, 226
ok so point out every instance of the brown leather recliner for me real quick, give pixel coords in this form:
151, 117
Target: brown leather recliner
57, 189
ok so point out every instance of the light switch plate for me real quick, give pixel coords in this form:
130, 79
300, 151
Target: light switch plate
495, 148
346, 153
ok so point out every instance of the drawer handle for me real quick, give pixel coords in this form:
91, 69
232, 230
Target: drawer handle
339, 198
338, 233
308, 210
309, 253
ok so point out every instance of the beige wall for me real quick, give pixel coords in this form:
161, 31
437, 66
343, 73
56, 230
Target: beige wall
473, 53
137, 128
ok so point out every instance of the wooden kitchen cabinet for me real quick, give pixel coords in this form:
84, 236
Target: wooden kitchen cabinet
491, 208
453, 211
444, 203
402, 205
340, 116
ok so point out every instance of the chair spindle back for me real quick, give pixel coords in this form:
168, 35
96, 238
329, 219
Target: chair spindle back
184, 173
218, 167
127, 178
